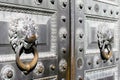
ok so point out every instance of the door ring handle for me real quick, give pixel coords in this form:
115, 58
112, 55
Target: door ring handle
106, 55
27, 66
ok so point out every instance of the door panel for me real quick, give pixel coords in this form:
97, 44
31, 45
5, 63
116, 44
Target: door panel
92, 22
34, 43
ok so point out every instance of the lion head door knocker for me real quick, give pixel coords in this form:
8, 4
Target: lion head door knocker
105, 39
23, 34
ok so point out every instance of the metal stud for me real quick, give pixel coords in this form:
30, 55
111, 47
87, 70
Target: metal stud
104, 10
117, 13
81, 6
40, 1
63, 18
89, 7
52, 1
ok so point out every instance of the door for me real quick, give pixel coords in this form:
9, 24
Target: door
95, 48
34, 40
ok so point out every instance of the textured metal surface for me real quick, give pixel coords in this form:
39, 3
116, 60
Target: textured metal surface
87, 17
52, 19
68, 31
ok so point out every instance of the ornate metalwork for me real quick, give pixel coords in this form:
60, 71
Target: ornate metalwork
22, 38
105, 39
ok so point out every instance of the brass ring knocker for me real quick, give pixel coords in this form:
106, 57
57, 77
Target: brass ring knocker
105, 39
22, 38
27, 66
106, 54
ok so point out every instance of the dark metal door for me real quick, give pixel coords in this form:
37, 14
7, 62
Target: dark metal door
34, 40
95, 48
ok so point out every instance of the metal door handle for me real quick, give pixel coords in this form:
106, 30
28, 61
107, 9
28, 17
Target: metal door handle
22, 39
106, 55
27, 66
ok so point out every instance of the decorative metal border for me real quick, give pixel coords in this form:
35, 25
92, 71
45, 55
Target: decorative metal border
104, 72
51, 77
115, 2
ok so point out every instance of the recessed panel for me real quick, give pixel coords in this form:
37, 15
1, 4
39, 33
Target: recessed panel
46, 30
92, 27
4, 32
